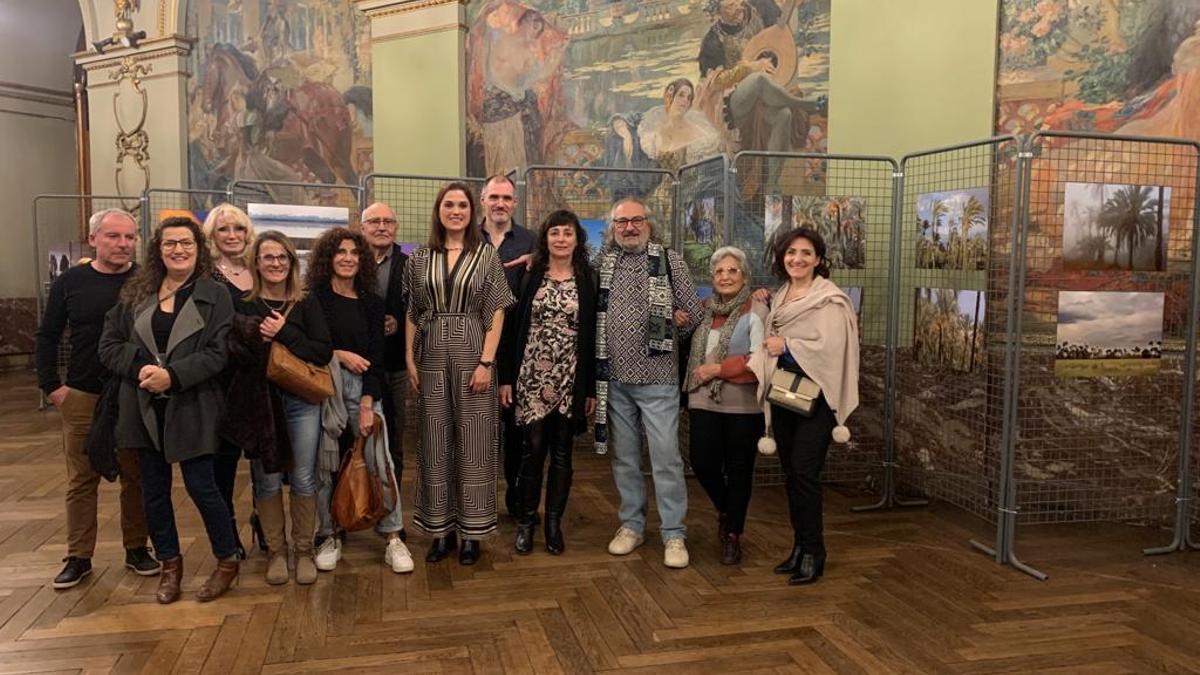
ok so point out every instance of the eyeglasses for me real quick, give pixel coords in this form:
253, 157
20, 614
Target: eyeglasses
275, 259
636, 221
184, 244
380, 221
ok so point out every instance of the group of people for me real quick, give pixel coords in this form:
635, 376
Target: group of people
501, 336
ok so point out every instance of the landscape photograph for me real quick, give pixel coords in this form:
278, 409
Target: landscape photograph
948, 328
953, 229
1108, 334
841, 222
1115, 227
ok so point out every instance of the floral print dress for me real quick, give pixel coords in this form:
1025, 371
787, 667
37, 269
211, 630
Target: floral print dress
547, 375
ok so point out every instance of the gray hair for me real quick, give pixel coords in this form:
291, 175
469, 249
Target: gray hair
610, 241
99, 216
730, 252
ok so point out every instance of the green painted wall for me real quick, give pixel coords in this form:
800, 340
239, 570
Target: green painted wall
908, 75
418, 104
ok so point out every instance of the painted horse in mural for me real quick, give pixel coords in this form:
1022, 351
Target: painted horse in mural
308, 122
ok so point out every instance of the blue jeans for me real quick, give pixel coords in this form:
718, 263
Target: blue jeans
351, 396
201, 485
304, 431
656, 407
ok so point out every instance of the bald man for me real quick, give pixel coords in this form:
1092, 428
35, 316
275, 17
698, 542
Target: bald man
379, 229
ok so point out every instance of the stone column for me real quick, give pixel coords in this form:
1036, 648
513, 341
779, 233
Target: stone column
418, 64
137, 116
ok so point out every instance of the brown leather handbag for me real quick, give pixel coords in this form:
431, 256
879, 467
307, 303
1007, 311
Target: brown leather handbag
358, 499
296, 376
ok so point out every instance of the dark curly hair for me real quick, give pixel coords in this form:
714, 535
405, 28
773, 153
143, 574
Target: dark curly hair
149, 277
541, 252
320, 261
437, 232
783, 241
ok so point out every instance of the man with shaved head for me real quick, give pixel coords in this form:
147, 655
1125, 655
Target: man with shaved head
379, 229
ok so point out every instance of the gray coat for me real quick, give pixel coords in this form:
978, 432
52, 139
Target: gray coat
196, 354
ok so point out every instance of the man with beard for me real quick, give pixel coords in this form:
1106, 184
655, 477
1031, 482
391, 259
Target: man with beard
515, 245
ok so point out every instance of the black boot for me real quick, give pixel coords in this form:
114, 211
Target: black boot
524, 541
554, 536
790, 563
469, 553
255, 532
441, 547
811, 567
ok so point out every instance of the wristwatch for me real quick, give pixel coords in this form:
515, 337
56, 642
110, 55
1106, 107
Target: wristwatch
487, 364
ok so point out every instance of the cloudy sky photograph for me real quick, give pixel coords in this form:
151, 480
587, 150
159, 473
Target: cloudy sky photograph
1108, 319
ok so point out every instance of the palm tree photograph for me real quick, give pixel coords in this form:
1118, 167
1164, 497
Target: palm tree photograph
948, 329
953, 229
1115, 227
841, 221
1108, 334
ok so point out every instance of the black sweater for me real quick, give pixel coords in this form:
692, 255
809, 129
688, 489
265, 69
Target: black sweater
78, 300
357, 326
306, 333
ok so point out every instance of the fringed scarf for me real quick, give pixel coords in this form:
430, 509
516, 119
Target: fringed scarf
660, 330
732, 308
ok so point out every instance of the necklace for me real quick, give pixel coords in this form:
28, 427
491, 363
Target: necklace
276, 305
229, 269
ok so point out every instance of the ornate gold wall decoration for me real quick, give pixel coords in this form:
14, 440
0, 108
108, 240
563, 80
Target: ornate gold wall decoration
132, 140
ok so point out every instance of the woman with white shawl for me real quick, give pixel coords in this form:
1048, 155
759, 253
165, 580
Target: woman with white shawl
811, 330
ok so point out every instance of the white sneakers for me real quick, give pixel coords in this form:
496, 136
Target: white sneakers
675, 553
328, 554
624, 541
398, 557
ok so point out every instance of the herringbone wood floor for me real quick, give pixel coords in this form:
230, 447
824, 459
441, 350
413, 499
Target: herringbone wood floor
902, 593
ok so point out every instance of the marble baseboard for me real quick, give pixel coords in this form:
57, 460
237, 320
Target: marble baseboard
18, 325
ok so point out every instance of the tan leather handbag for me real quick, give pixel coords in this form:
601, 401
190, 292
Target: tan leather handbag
793, 391
358, 499
296, 376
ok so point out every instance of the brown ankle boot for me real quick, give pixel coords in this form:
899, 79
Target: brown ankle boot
731, 550
222, 579
304, 525
270, 514
169, 582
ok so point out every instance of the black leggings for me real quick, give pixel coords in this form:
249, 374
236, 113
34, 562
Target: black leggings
552, 435
803, 443
723, 447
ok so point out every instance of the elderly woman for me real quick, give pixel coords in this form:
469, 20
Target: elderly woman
166, 341
230, 237
812, 332
723, 408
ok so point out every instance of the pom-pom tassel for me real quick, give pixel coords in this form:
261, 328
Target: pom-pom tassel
766, 446
841, 434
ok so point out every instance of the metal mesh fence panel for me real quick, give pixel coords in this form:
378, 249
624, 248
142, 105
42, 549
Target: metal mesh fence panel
60, 240
411, 197
956, 219
160, 202
700, 227
246, 192
591, 192
1106, 279
849, 201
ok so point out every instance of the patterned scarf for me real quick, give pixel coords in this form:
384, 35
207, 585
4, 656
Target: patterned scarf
731, 308
660, 329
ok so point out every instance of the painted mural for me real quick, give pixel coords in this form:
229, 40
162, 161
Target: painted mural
1118, 66
643, 83
280, 91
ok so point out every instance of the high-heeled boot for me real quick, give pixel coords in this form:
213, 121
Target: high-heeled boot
222, 579
558, 488
790, 563
170, 580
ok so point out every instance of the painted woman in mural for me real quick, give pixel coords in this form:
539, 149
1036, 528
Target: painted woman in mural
674, 133
745, 96
623, 150
514, 80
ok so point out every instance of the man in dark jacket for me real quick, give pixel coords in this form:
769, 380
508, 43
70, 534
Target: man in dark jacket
379, 229
515, 244
79, 299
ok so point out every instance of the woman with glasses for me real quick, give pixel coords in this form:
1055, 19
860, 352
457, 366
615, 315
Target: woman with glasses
457, 295
166, 341
230, 236
279, 430
341, 274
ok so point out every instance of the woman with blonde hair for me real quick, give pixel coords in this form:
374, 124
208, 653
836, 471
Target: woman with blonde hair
230, 237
